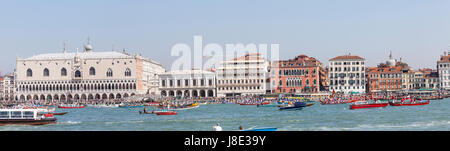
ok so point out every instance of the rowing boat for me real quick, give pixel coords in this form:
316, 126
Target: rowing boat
166, 113
364, 104
409, 104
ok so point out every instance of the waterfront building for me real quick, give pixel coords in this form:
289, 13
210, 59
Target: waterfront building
86, 75
7, 87
443, 67
347, 74
388, 77
298, 75
426, 79
1, 86
246, 75
187, 83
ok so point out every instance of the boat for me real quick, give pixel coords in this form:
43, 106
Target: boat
414, 103
296, 106
365, 104
309, 104
166, 113
262, 129
62, 113
25, 117
71, 106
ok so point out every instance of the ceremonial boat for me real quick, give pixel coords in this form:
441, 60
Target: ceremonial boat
414, 103
364, 104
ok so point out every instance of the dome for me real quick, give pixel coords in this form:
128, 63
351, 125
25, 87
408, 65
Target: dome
87, 47
391, 62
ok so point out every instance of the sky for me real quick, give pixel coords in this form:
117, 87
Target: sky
418, 31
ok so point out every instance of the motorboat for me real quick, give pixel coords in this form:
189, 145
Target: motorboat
25, 117
296, 106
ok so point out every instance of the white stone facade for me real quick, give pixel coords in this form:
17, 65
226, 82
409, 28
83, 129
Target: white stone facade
187, 83
85, 76
242, 76
347, 74
7, 87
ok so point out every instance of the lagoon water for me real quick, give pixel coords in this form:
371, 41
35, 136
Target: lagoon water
432, 117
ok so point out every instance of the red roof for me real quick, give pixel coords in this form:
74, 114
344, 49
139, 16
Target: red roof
347, 57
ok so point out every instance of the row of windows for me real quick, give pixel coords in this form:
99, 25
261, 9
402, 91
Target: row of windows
186, 82
347, 63
394, 75
241, 88
347, 69
294, 83
123, 86
248, 81
444, 65
75, 82
343, 75
345, 87
109, 73
343, 82
297, 72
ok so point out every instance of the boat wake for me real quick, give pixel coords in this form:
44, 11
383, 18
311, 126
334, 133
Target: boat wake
69, 122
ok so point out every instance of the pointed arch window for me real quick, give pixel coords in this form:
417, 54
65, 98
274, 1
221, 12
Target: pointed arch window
29, 73
63, 72
128, 72
92, 71
109, 73
77, 74
46, 72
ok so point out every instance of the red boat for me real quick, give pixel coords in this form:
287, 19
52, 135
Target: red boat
166, 113
363, 105
409, 104
71, 106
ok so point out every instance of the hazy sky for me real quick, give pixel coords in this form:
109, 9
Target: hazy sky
417, 31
